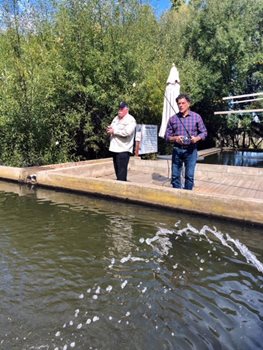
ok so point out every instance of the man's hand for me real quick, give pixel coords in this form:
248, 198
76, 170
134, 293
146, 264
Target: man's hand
177, 139
195, 139
110, 130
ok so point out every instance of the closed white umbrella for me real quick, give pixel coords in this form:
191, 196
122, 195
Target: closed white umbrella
171, 93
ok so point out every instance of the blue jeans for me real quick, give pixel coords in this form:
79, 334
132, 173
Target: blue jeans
188, 157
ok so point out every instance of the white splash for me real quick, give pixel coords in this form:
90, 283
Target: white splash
134, 258
161, 240
144, 290
250, 257
125, 259
76, 312
112, 263
131, 258
161, 243
123, 285
109, 288
226, 239
95, 318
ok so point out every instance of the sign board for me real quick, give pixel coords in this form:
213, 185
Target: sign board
146, 139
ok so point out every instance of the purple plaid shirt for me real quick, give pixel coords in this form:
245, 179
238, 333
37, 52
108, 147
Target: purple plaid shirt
193, 122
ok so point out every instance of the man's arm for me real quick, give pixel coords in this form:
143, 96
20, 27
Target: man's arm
202, 129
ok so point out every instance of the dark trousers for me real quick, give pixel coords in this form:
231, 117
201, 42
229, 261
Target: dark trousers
120, 162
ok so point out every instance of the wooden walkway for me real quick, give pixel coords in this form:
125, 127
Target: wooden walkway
231, 187
221, 191
209, 179
227, 186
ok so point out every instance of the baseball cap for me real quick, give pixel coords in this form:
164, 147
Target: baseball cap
123, 105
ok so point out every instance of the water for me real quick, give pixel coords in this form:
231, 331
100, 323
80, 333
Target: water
83, 273
235, 158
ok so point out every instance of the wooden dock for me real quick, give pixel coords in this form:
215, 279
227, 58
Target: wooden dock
217, 179
221, 191
211, 179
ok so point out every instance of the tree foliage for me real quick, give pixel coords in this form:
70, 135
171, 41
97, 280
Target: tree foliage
66, 64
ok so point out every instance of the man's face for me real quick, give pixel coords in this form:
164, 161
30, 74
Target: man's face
122, 112
183, 105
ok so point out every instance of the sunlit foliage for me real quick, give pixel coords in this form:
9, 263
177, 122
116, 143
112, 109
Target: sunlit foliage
66, 64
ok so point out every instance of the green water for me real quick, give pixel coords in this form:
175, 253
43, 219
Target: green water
84, 273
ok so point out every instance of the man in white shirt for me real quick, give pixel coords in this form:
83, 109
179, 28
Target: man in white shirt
122, 131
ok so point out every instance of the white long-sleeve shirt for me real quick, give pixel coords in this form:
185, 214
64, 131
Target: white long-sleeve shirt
124, 130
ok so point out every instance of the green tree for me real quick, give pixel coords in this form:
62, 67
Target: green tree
226, 38
66, 64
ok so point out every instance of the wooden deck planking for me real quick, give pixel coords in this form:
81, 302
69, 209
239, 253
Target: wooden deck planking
233, 185
259, 190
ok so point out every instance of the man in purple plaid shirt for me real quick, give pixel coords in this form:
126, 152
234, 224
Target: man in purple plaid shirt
184, 130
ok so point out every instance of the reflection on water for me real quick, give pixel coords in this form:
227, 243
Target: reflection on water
84, 273
235, 158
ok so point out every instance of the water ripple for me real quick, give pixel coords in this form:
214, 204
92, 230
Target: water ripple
79, 275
